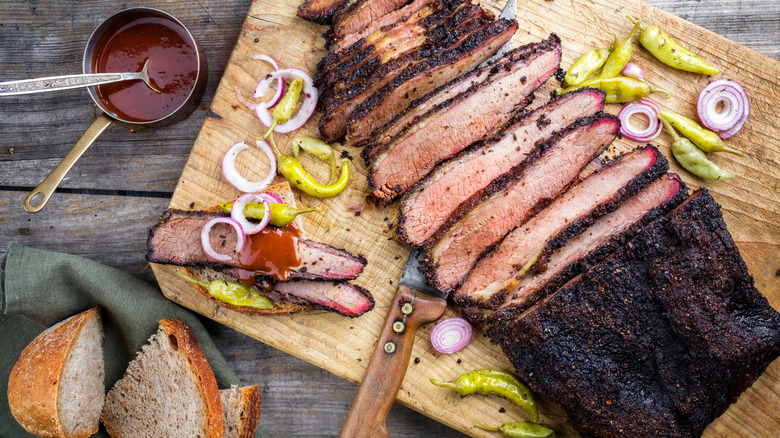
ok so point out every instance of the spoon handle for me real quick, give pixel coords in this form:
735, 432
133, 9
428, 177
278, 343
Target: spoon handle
28, 86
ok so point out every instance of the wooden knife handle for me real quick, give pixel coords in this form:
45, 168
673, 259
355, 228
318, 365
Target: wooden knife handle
387, 366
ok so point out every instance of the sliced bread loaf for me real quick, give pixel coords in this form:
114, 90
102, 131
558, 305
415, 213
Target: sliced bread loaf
241, 409
168, 390
56, 386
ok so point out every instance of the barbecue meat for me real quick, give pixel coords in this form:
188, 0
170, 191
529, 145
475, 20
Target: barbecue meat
553, 166
530, 244
457, 123
341, 297
319, 11
176, 240
658, 339
356, 16
455, 186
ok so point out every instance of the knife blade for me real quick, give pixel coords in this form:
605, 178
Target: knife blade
510, 13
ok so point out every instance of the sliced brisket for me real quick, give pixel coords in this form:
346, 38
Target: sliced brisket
319, 11
658, 339
455, 186
355, 17
457, 123
554, 165
341, 297
176, 240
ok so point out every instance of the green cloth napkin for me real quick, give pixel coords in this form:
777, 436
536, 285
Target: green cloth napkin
40, 288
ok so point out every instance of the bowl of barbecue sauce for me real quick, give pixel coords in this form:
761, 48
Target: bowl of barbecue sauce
177, 67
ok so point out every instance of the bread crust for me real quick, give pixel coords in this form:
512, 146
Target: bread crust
250, 399
34, 382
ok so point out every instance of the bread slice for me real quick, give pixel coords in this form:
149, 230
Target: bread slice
241, 409
56, 386
168, 390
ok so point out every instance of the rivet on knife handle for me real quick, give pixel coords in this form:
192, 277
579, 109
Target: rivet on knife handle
388, 363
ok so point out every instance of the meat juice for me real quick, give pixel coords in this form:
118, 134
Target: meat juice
173, 67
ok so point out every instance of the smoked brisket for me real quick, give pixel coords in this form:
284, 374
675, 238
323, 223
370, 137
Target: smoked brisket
455, 124
341, 297
358, 15
319, 11
657, 340
553, 166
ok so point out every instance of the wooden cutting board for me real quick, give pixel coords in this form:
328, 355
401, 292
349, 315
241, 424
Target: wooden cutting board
341, 345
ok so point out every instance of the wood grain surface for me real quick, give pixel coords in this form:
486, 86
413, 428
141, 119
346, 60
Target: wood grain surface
120, 187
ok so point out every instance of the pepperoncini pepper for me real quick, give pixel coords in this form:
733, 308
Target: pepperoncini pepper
703, 138
492, 382
620, 55
618, 90
668, 51
237, 294
286, 106
319, 149
586, 66
293, 171
521, 430
281, 214
693, 159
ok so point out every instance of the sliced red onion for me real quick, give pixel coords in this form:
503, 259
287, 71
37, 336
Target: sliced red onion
205, 240
451, 335
309, 98
651, 111
275, 198
237, 213
634, 71
260, 91
236, 179
736, 107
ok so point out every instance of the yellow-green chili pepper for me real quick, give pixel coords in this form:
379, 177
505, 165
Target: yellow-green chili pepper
621, 54
287, 106
281, 214
319, 149
521, 430
703, 138
586, 66
237, 294
293, 171
618, 90
666, 50
693, 159
492, 382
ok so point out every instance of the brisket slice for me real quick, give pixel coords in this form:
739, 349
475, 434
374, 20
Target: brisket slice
319, 11
554, 166
457, 123
530, 244
338, 296
355, 17
658, 339
456, 185
418, 81
176, 240
446, 58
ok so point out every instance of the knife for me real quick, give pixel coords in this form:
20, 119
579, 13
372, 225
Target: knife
415, 304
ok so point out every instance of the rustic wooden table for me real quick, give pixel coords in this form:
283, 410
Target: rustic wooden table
120, 186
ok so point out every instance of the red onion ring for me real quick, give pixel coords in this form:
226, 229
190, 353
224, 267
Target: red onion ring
451, 335
236, 179
651, 111
205, 233
237, 213
632, 70
736, 107
260, 92
308, 102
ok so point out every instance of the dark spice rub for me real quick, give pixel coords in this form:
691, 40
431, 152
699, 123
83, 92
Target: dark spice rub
658, 339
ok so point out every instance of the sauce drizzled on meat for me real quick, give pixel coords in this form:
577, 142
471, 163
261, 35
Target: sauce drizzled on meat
273, 252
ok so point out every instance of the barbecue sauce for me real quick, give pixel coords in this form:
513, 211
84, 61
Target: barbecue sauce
273, 252
173, 67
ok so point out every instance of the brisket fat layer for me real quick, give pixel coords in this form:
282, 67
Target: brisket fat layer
553, 167
176, 240
457, 123
658, 339
456, 185
530, 244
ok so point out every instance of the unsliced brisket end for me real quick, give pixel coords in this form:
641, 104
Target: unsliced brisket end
344, 298
658, 339
457, 123
555, 164
359, 15
420, 79
176, 240
590, 247
458, 184
530, 244
470, 41
319, 11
